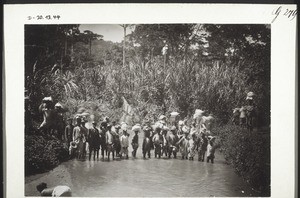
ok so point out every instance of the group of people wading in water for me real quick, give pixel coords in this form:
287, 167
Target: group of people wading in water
113, 139
166, 137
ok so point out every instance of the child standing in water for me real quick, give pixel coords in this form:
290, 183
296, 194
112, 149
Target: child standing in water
109, 142
211, 149
124, 144
80, 146
135, 140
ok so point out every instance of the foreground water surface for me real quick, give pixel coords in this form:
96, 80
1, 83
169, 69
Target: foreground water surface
140, 177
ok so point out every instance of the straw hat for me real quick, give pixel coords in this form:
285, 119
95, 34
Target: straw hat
250, 95
174, 113
162, 117
58, 105
48, 99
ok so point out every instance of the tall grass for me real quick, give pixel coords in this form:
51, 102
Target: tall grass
182, 86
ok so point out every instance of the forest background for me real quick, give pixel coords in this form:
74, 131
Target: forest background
209, 67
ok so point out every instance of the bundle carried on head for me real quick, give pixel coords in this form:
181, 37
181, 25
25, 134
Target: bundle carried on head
48, 99
124, 126
174, 113
137, 128
198, 113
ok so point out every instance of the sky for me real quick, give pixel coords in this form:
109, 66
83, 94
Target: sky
110, 32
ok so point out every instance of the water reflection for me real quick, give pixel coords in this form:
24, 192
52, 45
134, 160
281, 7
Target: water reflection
145, 177
153, 177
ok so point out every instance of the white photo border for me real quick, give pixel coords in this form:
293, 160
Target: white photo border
283, 69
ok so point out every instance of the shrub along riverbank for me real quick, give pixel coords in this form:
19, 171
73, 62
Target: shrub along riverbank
43, 153
249, 154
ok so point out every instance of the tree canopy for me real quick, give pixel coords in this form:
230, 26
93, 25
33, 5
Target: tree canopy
209, 66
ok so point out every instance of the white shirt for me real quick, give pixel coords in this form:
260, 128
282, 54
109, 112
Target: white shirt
61, 190
124, 141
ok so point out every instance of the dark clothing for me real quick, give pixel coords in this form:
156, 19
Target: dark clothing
135, 144
135, 139
94, 138
85, 133
117, 144
103, 142
146, 147
201, 144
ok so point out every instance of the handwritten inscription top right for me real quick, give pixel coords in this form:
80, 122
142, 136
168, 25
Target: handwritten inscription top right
289, 13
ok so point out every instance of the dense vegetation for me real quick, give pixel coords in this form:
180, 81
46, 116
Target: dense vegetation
43, 153
210, 67
249, 153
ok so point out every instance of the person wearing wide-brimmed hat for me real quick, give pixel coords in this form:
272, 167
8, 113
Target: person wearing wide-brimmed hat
250, 110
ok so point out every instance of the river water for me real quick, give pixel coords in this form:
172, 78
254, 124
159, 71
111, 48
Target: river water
144, 177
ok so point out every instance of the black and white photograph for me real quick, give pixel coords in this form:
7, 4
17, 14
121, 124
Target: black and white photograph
159, 109
125, 109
